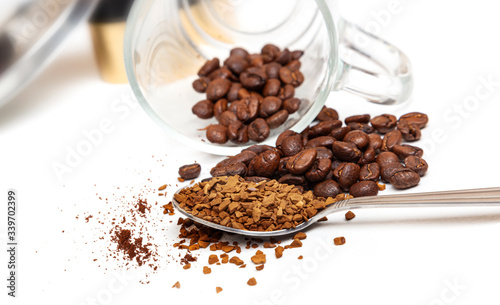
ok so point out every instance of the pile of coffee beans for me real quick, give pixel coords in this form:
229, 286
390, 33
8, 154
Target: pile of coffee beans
330, 158
250, 94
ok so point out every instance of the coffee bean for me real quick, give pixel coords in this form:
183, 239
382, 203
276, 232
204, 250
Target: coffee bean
233, 130
254, 78
277, 119
219, 107
294, 78
217, 134
230, 170
217, 89
405, 150
282, 166
269, 106
291, 105
323, 152
239, 52
292, 179
258, 149
243, 93
362, 118
221, 73
294, 65
369, 171
340, 133
256, 60
203, 109
272, 70
272, 87
301, 162
297, 54
292, 145
375, 141
391, 139
368, 156
327, 188
325, 141
201, 84
190, 171
270, 49
285, 134
283, 57
305, 135
241, 110
232, 94
236, 64
286, 92
244, 157
357, 137
266, 163
404, 179
319, 170
327, 114
384, 123
364, 188
252, 107
386, 158
410, 132
348, 174
388, 170
346, 151
324, 128
418, 119
209, 67
417, 165
226, 117
258, 130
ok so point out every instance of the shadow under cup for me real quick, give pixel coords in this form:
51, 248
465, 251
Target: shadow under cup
168, 41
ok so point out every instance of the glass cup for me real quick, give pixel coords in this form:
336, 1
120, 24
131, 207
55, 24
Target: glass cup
166, 42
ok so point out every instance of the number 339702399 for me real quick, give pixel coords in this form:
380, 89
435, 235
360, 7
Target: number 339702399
11, 215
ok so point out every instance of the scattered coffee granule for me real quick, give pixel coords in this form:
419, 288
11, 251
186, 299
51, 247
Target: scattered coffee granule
259, 257
381, 186
224, 258
296, 244
349, 215
243, 266
300, 235
252, 282
180, 179
227, 249
169, 209
323, 219
161, 188
186, 266
268, 245
206, 270
300, 257
338, 241
279, 251
177, 285
259, 267
218, 289
236, 260
212, 259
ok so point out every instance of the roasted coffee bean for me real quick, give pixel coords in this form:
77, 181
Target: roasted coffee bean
217, 89
362, 118
323, 152
417, 165
348, 174
291, 105
327, 188
301, 162
375, 141
230, 170
327, 114
269, 106
286, 92
209, 67
190, 171
346, 151
259, 148
241, 110
219, 107
368, 156
285, 134
296, 54
369, 172
233, 130
256, 60
324, 128
357, 137
384, 123
337, 167
292, 179
257, 96
253, 108
282, 166
340, 133
418, 119
242, 136
203, 109
283, 57
243, 93
232, 94
294, 78
239, 52
404, 179
266, 163
410, 132
236, 64
361, 126
386, 158
217, 134
222, 73
336, 163
294, 65
305, 135
270, 49
244, 157
388, 170
258, 130
319, 170
225, 162
391, 139
325, 141
405, 150
277, 119
272, 70
292, 145
272, 87
227, 117
364, 188
201, 84
254, 78
329, 176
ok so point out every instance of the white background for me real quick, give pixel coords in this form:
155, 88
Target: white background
411, 256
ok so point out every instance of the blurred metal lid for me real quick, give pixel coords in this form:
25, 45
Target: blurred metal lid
30, 33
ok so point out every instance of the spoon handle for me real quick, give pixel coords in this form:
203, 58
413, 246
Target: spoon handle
472, 197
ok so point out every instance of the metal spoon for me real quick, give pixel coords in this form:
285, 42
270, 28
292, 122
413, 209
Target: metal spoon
473, 197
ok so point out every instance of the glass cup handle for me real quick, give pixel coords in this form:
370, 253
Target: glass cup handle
373, 68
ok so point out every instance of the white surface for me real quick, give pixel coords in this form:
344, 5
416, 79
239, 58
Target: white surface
407, 256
